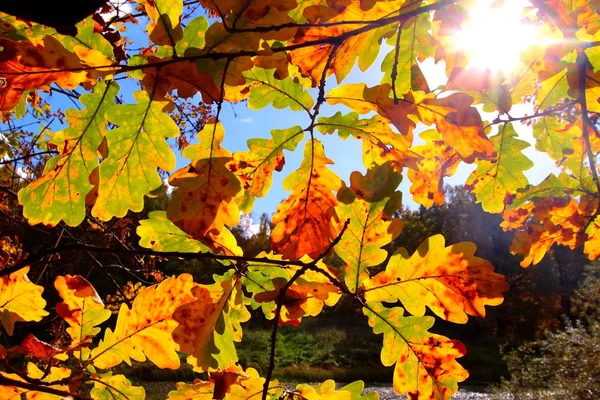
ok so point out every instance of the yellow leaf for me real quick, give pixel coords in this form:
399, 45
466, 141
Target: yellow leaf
451, 281
81, 308
145, 330
20, 300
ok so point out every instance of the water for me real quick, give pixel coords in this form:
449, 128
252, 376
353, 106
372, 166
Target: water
464, 393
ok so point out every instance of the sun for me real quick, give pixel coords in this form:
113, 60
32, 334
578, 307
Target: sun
496, 35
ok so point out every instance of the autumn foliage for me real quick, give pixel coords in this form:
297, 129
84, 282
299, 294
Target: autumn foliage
195, 57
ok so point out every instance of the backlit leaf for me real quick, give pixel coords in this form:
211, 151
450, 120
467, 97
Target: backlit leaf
370, 226
81, 308
278, 93
19, 57
203, 202
160, 234
438, 161
426, 366
20, 300
451, 281
60, 193
380, 143
165, 28
495, 181
303, 221
136, 149
305, 297
209, 326
254, 168
115, 387
145, 329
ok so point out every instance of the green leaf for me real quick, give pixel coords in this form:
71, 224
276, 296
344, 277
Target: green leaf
115, 387
254, 168
425, 363
493, 182
193, 37
555, 137
60, 193
266, 90
370, 227
136, 149
160, 234
415, 44
380, 143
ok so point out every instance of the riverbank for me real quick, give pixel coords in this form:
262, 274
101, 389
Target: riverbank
160, 390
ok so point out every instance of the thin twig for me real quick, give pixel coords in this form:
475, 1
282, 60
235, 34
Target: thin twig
281, 297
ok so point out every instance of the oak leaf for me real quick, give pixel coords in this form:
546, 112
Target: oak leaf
303, 221
438, 161
26, 66
371, 224
426, 366
136, 149
81, 308
20, 300
145, 329
115, 387
451, 281
60, 193
209, 326
254, 168
203, 202
493, 181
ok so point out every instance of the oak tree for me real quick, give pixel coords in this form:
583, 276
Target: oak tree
189, 59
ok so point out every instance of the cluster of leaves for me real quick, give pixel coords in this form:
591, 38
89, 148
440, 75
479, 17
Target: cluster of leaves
110, 154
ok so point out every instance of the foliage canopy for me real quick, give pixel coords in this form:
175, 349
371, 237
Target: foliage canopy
200, 54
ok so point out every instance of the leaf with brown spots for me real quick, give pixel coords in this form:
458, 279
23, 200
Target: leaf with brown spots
209, 326
59, 194
203, 202
303, 222
305, 297
20, 300
82, 309
25, 66
426, 367
438, 161
451, 281
145, 329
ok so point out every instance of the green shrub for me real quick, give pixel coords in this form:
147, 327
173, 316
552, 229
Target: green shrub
565, 364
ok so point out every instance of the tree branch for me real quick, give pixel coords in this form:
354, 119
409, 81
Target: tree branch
4, 381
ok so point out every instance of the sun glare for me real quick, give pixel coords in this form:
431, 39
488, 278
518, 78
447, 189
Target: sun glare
495, 35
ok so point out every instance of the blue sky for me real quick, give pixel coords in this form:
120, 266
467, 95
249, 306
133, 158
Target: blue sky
241, 124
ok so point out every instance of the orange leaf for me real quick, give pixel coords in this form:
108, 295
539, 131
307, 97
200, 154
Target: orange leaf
203, 202
460, 125
303, 222
439, 161
23, 67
